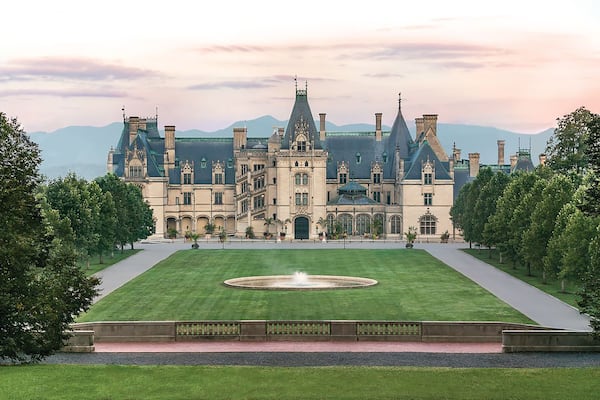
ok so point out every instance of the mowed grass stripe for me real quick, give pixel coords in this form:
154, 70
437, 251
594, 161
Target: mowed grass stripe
200, 382
412, 286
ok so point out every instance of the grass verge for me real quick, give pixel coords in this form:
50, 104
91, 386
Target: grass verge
413, 286
201, 382
95, 265
552, 286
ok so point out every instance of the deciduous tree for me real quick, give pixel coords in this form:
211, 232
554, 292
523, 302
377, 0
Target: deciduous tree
41, 287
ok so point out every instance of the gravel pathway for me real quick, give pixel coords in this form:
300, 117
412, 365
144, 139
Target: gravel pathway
321, 359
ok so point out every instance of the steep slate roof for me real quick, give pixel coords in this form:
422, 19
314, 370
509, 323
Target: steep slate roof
346, 147
524, 162
301, 110
203, 152
423, 154
400, 136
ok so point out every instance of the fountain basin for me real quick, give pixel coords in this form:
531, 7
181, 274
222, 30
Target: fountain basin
303, 282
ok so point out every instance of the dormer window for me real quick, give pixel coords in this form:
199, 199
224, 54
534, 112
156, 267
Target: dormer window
203, 163
384, 156
427, 178
358, 158
302, 146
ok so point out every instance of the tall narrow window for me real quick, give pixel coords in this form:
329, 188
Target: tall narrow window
298, 179
302, 146
377, 178
427, 199
298, 199
218, 197
304, 199
428, 178
343, 178
218, 179
377, 196
187, 198
187, 178
304, 179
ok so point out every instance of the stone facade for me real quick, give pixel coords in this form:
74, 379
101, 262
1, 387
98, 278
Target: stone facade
298, 180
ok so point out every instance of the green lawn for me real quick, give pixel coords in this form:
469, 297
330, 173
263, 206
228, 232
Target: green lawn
413, 286
95, 265
199, 382
552, 286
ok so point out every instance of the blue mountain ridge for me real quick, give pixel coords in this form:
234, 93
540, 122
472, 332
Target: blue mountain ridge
84, 149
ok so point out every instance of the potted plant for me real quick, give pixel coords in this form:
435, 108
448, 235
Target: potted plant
222, 235
250, 233
209, 229
172, 233
187, 235
268, 222
411, 236
194, 236
444, 237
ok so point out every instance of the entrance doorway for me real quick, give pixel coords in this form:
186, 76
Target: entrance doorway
301, 228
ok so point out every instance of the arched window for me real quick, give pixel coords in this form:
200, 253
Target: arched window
363, 224
297, 179
305, 179
427, 224
396, 225
346, 222
330, 223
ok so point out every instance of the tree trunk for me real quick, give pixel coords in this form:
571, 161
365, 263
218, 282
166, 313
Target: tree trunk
544, 277
131, 245
500, 256
490, 252
100, 258
528, 269
562, 286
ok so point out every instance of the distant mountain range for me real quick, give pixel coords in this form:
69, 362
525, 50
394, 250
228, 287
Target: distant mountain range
84, 149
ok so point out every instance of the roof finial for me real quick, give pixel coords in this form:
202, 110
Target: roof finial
123, 110
296, 82
306, 86
156, 115
399, 101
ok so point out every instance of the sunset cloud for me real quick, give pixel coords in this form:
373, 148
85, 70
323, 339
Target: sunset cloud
69, 68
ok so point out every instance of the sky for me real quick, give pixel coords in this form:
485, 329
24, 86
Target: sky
515, 65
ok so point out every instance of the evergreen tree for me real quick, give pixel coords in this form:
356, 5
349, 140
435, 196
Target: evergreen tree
41, 287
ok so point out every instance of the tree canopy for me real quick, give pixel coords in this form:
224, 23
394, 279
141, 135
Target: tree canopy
41, 287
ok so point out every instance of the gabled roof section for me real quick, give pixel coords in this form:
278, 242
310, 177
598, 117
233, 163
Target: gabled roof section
358, 152
301, 115
423, 155
400, 136
524, 162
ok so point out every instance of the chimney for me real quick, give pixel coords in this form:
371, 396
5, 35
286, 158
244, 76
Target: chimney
281, 132
239, 138
500, 152
513, 161
473, 164
420, 124
430, 121
322, 126
378, 127
169, 137
542, 159
133, 128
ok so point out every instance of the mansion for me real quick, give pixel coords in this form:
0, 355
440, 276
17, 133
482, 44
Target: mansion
300, 180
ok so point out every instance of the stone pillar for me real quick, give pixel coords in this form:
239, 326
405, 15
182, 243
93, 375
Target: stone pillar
430, 122
133, 128
513, 160
420, 124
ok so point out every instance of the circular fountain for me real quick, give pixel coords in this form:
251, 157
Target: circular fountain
300, 281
